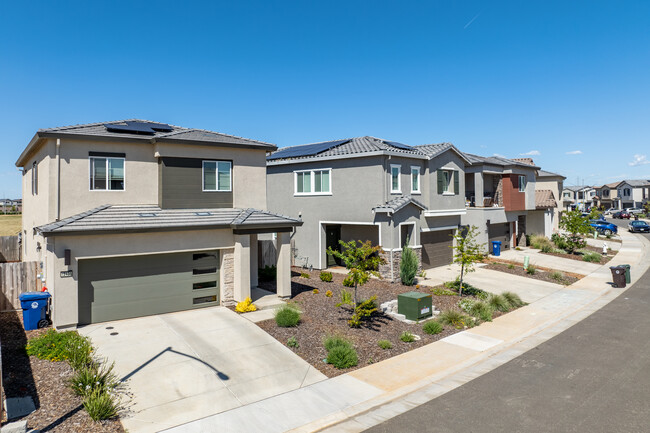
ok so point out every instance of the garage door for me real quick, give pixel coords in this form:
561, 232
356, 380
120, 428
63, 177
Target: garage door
436, 248
499, 232
125, 287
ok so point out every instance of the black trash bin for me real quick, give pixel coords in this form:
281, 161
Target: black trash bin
618, 275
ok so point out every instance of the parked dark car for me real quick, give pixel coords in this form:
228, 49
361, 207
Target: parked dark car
622, 215
639, 227
604, 227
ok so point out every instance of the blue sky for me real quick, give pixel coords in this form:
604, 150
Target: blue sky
566, 82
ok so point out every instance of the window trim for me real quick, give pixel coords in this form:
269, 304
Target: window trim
216, 174
448, 189
412, 240
419, 190
90, 172
312, 182
399, 179
519, 182
35, 178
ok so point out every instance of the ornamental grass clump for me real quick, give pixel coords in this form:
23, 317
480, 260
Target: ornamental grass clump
432, 327
481, 310
385, 344
591, 257
407, 337
456, 319
287, 316
91, 378
499, 303
340, 352
513, 299
100, 405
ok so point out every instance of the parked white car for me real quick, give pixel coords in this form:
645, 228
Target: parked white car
634, 210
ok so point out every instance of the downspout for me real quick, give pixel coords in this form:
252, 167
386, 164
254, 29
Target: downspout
58, 179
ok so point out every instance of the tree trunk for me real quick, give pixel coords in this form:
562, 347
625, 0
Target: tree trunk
460, 287
355, 295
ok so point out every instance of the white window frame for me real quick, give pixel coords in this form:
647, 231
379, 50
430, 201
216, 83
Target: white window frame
216, 173
90, 172
448, 189
413, 244
312, 180
419, 190
399, 179
525, 182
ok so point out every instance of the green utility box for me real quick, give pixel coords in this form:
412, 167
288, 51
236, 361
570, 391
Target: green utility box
414, 305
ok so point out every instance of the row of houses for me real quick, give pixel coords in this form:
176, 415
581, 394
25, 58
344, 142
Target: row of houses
132, 218
8, 205
632, 193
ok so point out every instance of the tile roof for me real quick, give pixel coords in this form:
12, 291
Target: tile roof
495, 160
349, 146
433, 150
544, 199
178, 133
577, 187
544, 173
528, 161
109, 218
397, 204
637, 182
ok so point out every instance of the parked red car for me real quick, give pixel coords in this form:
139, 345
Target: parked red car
622, 215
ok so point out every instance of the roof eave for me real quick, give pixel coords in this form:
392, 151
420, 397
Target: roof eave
268, 147
29, 149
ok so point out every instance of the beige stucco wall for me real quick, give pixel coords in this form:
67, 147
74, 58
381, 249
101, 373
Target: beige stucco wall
65, 290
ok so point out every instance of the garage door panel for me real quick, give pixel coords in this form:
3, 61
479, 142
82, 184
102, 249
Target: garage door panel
499, 232
124, 287
436, 248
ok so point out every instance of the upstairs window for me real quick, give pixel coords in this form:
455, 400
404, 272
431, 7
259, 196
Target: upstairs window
313, 182
415, 180
627, 192
34, 178
448, 183
581, 195
605, 193
522, 183
217, 176
395, 184
106, 174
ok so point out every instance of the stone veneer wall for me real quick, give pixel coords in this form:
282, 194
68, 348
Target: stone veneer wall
396, 258
228, 277
498, 195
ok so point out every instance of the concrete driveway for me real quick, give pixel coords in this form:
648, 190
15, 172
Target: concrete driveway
188, 365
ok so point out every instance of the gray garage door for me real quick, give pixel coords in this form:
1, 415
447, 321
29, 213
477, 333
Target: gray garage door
436, 248
499, 232
125, 287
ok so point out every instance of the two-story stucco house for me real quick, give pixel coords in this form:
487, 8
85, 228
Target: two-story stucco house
607, 196
367, 188
633, 193
548, 189
133, 218
500, 193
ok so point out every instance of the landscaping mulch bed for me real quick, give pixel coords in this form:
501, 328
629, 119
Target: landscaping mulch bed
321, 317
540, 274
57, 408
578, 257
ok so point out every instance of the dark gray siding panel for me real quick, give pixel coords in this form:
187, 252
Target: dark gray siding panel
125, 287
181, 186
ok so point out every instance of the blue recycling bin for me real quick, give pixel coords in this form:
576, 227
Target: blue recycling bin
496, 248
34, 305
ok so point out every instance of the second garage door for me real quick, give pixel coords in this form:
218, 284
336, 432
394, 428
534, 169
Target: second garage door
124, 287
436, 248
499, 232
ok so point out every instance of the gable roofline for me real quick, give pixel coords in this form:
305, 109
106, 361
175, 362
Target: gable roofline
89, 131
544, 173
477, 160
397, 204
435, 149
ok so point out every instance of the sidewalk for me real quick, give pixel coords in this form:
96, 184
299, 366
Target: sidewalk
360, 399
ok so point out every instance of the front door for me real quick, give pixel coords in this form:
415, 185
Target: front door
332, 238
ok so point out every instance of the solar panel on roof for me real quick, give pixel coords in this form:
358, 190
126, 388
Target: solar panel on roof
147, 128
398, 145
306, 150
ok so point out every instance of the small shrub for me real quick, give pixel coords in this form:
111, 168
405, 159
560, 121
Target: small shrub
304, 275
481, 310
511, 266
384, 344
517, 249
348, 282
326, 277
592, 257
557, 276
90, 378
268, 273
432, 327
332, 341
422, 274
342, 357
100, 405
530, 270
513, 299
468, 289
315, 291
292, 342
407, 337
329, 294
465, 304
408, 265
541, 242
439, 291
547, 248
62, 346
287, 316
456, 319
346, 299
499, 302
245, 306
365, 309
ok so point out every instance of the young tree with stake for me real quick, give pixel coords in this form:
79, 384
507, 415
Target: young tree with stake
467, 251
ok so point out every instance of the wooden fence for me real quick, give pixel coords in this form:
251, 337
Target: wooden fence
17, 278
267, 254
9, 249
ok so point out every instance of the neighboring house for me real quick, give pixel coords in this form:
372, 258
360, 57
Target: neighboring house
608, 196
546, 219
500, 193
11, 206
367, 188
579, 197
132, 218
633, 193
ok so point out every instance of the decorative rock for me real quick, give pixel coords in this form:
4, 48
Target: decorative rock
15, 427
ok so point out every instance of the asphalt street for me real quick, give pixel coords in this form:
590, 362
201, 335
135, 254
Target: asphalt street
593, 377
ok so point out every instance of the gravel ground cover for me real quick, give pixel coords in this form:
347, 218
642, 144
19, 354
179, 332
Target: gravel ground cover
320, 317
57, 408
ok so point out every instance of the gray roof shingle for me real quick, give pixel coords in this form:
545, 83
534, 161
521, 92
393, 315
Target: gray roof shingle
109, 218
397, 204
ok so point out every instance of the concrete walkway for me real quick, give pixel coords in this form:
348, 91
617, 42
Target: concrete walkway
366, 397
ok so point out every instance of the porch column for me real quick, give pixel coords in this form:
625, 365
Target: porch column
254, 261
478, 189
284, 265
242, 288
